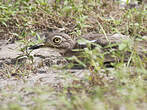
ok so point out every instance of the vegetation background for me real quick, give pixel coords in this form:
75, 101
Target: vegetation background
128, 88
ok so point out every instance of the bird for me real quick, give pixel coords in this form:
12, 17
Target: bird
65, 44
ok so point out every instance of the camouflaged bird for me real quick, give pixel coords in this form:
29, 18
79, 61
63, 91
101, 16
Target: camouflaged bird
64, 44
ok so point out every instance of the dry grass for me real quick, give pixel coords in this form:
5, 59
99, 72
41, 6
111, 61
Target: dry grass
126, 90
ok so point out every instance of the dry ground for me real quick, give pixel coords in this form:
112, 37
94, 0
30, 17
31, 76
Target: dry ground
24, 86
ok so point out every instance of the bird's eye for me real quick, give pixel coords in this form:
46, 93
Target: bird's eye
57, 39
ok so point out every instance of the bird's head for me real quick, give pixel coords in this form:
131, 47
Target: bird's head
61, 41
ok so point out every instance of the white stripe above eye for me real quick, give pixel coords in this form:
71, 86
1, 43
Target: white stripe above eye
56, 36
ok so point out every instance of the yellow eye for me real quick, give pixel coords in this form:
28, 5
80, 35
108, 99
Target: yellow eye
57, 39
